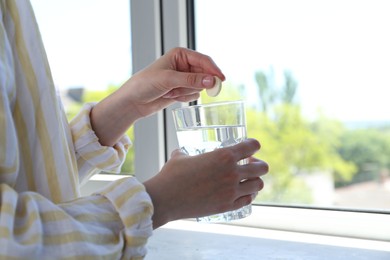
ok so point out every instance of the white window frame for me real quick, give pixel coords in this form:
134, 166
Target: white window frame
149, 155
157, 26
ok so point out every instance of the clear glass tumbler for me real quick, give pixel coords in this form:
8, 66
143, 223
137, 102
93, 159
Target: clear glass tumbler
204, 128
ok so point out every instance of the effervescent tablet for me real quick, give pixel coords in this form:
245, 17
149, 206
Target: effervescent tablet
214, 91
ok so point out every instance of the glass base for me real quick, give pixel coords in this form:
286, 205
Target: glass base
228, 216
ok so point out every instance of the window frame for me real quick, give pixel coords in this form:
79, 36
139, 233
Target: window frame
156, 27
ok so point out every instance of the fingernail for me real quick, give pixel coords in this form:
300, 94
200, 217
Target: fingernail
208, 81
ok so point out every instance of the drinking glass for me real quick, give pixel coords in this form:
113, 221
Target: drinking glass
204, 128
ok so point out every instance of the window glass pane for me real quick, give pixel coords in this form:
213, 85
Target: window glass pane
88, 47
314, 75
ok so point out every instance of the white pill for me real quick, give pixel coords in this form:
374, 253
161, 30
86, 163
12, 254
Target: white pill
214, 91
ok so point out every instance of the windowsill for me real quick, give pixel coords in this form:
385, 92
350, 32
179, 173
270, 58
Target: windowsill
186, 239
270, 233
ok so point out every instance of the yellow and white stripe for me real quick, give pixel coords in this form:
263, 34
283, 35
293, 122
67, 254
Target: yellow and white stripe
43, 160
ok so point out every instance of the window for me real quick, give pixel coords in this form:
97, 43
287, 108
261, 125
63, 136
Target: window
88, 47
314, 77
272, 32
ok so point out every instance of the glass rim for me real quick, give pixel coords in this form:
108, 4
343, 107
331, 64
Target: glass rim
218, 103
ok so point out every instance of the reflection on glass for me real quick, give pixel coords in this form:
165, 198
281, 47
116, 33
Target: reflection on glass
314, 75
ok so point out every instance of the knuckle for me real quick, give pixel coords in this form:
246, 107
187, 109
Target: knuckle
226, 156
231, 193
207, 59
191, 79
175, 51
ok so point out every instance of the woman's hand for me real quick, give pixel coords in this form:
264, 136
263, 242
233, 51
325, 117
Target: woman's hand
179, 75
209, 183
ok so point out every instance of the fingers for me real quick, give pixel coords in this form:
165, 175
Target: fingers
179, 92
248, 190
191, 69
187, 60
250, 181
242, 201
190, 80
245, 149
254, 169
251, 186
188, 98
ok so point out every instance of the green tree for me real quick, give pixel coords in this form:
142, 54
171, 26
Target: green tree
292, 145
329, 133
370, 150
289, 89
267, 92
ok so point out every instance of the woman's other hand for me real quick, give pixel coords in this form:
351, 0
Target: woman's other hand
205, 184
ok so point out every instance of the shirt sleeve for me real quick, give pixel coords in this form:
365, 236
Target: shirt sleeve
112, 224
91, 156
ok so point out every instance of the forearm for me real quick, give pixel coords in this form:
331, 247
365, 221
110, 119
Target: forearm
111, 118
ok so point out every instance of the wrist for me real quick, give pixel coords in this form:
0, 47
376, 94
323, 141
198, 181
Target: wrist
164, 209
110, 119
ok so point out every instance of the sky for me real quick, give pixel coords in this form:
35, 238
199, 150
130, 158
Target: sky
337, 50
87, 41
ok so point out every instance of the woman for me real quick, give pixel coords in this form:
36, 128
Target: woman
43, 159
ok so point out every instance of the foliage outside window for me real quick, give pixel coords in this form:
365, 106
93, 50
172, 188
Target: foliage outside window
298, 149
314, 78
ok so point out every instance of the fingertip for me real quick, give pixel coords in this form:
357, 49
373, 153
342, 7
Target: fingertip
266, 167
208, 81
261, 184
254, 142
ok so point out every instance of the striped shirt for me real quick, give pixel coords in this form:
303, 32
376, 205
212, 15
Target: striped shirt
43, 160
